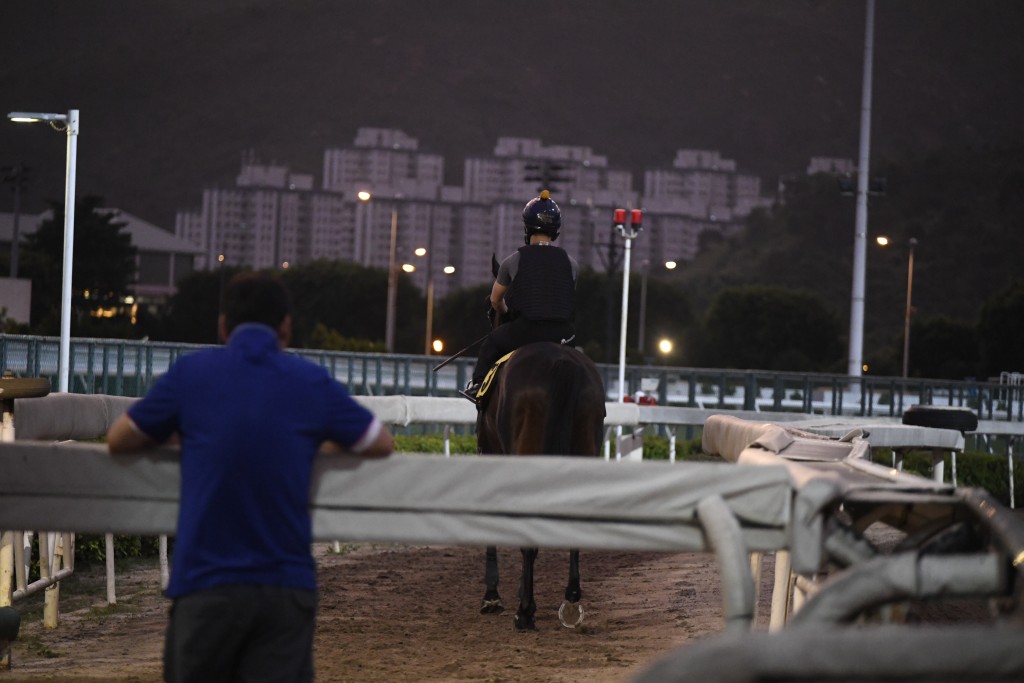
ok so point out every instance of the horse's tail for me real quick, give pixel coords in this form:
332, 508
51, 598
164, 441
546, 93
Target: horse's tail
571, 404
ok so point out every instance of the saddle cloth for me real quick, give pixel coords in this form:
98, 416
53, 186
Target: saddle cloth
491, 374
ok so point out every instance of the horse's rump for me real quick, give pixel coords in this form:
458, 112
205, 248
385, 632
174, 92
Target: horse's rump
550, 402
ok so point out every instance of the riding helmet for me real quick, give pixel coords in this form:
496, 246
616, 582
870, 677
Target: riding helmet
541, 215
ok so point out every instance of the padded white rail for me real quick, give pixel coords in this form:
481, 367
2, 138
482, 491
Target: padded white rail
544, 501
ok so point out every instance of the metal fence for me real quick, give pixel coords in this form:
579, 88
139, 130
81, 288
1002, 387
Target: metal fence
129, 367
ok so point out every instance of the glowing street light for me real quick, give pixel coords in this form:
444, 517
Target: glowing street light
67, 123
665, 346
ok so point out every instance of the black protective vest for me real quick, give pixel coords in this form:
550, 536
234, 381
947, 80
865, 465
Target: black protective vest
543, 288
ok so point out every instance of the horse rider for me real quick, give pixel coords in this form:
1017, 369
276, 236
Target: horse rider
535, 288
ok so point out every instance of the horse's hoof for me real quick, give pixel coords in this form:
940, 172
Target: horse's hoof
570, 614
524, 624
492, 607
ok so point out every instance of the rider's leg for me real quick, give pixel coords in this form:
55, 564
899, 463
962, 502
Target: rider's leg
499, 342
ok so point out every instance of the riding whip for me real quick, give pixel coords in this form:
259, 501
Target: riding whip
460, 353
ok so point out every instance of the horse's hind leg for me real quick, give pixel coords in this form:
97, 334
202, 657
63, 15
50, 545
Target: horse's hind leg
570, 614
573, 592
491, 603
525, 615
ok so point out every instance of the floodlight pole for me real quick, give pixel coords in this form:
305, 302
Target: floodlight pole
629, 234
856, 356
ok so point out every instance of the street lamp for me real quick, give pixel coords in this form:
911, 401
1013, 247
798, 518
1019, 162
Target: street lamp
69, 123
906, 317
643, 306
389, 315
429, 343
911, 243
670, 265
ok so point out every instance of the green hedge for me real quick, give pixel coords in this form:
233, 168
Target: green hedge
974, 469
655, 447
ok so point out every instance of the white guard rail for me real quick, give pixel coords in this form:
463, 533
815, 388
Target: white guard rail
579, 503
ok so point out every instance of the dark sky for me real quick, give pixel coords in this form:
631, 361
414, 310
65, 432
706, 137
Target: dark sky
171, 93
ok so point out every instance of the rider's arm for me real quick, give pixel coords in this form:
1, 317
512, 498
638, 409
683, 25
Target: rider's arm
498, 297
503, 280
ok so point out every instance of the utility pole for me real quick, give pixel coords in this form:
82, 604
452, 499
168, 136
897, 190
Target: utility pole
16, 175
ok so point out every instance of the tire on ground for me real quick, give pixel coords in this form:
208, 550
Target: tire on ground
941, 417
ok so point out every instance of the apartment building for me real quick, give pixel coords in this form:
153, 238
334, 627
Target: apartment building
273, 217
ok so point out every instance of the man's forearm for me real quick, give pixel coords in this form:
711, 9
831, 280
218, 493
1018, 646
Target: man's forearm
124, 437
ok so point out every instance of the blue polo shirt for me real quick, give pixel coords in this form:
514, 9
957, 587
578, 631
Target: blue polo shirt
251, 420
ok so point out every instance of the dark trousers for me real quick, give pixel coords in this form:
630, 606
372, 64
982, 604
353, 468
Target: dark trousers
241, 633
511, 336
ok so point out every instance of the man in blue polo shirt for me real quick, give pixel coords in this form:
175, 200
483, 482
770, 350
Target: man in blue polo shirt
250, 420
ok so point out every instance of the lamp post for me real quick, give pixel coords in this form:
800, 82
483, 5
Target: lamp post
629, 234
17, 176
69, 123
389, 315
906, 317
389, 311
669, 265
221, 259
429, 342
643, 306
911, 243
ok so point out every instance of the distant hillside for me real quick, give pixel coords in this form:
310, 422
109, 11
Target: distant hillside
964, 208
171, 93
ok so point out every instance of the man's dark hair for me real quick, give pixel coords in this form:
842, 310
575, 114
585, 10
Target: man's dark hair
255, 298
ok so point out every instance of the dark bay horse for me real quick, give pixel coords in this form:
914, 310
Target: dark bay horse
547, 399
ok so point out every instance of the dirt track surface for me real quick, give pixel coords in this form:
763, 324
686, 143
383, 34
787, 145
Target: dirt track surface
402, 613
410, 613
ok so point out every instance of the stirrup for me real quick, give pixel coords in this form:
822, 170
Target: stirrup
470, 392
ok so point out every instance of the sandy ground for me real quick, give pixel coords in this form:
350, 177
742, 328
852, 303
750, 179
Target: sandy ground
402, 613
